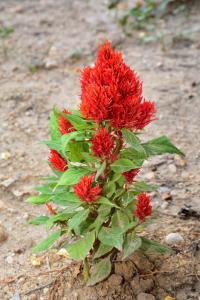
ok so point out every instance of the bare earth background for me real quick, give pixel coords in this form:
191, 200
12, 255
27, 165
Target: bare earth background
40, 67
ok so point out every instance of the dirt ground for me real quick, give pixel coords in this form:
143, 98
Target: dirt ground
40, 67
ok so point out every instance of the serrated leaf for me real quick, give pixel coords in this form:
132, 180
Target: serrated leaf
78, 218
123, 165
111, 237
131, 244
100, 271
80, 248
161, 145
134, 142
39, 220
102, 250
39, 199
49, 241
72, 176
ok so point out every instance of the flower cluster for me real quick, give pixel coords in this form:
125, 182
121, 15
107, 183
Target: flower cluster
103, 144
64, 125
57, 161
130, 175
85, 191
112, 91
144, 207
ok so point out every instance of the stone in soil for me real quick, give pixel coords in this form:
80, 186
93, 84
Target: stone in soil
174, 238
115, 280
145, 296
3, 234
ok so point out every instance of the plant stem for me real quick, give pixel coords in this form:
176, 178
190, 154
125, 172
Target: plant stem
86, 273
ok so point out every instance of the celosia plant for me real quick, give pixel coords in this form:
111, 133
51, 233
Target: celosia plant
94, 200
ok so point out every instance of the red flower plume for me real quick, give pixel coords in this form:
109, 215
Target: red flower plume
144, 207
85, 191
102, 144
130, 175
57, 161
112, 91
64, 125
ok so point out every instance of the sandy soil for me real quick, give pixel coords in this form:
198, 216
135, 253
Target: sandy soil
40, 67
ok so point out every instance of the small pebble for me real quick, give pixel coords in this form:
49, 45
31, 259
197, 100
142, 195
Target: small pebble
150, 175
3, 234
166, 196
9, 259
174, 238
145, 296
172, 168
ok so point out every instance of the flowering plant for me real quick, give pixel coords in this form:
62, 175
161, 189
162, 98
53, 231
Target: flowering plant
94, 200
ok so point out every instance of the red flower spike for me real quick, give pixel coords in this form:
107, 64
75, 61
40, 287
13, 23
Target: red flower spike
102, 144
144, 207
130, 175
112, 91
64, 125
85, 191
57, 161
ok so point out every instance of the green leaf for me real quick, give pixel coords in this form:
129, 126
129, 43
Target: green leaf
103, 213
39, 220
161, 145
56, 144
134, 142
123, 165
109, 189
131, 154
102, 250
131, 244
129, 197
78, 218
153, 246
111, 237
80, 248
120, 220
75, 150
105, 201
100, 271
100, 170
79, 123
66, 199
47, 242
72, 176
141, 186
55, 134
39, 199
60, 217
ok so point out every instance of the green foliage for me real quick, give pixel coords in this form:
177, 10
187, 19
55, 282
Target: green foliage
80, 248
100, 271
161, 145
93, 231
49, 241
